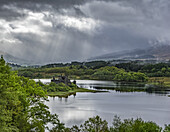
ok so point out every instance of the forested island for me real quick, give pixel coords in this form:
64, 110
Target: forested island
22, 109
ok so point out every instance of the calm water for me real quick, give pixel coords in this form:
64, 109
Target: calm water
75, 110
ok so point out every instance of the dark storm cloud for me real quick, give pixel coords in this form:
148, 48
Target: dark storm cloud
63, 30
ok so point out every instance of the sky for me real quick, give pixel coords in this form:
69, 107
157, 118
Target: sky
46, 31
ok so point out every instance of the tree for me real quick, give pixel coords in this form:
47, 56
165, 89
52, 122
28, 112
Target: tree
131, 125
95, 124
167, 128
22, 103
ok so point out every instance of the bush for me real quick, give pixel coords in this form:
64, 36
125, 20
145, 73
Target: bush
53, 87
96, 124
131, 125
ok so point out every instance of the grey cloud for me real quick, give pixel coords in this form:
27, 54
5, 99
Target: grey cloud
60, 30
141, 17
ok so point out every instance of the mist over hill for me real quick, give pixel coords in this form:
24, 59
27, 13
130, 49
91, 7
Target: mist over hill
12, 59
160, 52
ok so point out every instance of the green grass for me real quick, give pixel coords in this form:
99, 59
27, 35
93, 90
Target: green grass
71, 92
157, 80
61, 94
88, 90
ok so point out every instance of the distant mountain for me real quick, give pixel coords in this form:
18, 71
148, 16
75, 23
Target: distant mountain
161, 52
11, 59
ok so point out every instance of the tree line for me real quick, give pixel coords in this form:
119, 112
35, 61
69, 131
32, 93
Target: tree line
88, 70
151, 70
82, 72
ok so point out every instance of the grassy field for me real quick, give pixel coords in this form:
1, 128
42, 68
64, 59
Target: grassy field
72, 92
164, 81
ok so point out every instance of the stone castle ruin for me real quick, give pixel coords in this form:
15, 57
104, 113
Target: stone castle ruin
62, 79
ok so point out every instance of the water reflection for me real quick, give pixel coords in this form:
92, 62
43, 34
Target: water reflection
127, 105
76, 109
118, 86
68, 112
122, 86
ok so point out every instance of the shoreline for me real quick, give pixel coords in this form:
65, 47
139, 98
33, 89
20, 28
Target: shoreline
151, 89
72, 92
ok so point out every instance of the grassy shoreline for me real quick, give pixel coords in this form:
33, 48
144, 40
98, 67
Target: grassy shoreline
159, 84
160, 81
72, 92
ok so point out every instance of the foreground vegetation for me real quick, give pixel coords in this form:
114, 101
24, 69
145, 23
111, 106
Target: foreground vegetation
22, 109
96, 124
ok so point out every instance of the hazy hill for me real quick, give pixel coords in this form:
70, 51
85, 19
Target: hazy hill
156, 52
11, 59
161, 52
